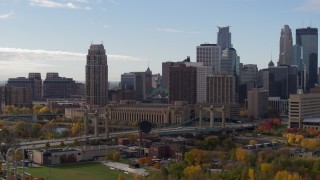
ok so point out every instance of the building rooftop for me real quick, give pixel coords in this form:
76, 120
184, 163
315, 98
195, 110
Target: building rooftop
311, 120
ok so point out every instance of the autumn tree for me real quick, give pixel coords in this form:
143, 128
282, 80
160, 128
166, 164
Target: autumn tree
253, 142
251, 174
241, 154
197, 157
310, 144
286, 175
120, 177
77, 128
192, 172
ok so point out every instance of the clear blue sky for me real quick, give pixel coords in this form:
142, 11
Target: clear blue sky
54, 35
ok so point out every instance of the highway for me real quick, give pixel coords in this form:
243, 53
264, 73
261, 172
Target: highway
159, 131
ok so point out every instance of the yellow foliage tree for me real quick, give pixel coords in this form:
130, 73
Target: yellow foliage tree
44, 110
310, 144
299, 138
285, 175
241, 154
253, 142
191, 172
251, 173
120, 177
265, 168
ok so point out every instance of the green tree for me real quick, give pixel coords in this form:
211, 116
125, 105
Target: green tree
211, 142
35, 130
175, 170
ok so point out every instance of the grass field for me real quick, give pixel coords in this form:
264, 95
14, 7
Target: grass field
83, 171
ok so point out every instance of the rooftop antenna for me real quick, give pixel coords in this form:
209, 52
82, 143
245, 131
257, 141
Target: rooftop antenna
310, 22
148, 62
101, 42
91, 42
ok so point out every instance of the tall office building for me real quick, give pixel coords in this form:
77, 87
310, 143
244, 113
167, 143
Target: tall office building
229, 61
128, 81
55, 86
285, 46
221, 92
143, 84
281, 81
297, 56
97, 76
183, 84
209, 55
248, 80
308, 39
37, 88
257, 102
224, 38
221, 88
18, 96
202, 73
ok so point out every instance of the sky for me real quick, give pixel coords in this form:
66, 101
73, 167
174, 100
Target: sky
54, 35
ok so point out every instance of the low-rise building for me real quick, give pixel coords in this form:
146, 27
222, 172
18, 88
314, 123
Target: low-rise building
302, 106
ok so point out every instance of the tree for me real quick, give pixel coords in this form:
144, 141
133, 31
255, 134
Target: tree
109, 155
120, 177
62, 143
35, 130
211, 143
285, 175
251, 173
116, 156
253, 142
310, 144
192, 172
241, 154
77, 128
175, 170
47, 144
44, 110
157, 165
2, 123
144, 127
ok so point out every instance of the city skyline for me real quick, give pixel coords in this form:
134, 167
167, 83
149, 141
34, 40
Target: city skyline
53, 35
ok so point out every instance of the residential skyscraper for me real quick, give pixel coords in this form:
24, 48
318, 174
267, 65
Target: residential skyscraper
210, 55
308, 39
97, 76
285, 46
224, 38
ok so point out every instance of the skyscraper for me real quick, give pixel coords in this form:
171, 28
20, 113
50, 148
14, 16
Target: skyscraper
285, 45
224, 38
183, 83
308, 39
202, 73
210, 55
96, 76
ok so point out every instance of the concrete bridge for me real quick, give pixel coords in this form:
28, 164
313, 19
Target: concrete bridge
28, 117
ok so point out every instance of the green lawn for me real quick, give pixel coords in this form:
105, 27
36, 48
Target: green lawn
83, 171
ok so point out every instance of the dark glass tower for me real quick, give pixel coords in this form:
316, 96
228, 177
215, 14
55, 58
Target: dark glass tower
308, 39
